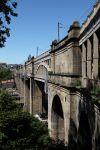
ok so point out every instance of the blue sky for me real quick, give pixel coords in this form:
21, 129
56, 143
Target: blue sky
36, 26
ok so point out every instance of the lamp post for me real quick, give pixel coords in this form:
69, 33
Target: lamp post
59, 30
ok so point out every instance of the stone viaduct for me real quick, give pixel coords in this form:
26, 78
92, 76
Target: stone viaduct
61, 81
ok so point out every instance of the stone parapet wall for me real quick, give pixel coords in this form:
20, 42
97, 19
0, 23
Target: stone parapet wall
64, 80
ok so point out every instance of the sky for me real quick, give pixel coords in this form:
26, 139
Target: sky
36, 26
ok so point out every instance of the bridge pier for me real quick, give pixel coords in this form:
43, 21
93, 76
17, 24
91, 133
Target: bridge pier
31, 95
58, 112
27, 94
37, 98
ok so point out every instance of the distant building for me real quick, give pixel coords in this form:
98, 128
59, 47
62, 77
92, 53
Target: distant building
3, 65
12, 67
7, 84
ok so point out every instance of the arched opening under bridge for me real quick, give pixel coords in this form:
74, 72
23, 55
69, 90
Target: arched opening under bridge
57, 119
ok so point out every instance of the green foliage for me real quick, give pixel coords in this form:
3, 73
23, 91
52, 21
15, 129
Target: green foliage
5, 74
76, 82
50, 72
18, 129
6, 11
7, 102
95, 94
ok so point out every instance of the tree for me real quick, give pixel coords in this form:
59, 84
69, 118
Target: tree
18, 129
5, 74
6, 11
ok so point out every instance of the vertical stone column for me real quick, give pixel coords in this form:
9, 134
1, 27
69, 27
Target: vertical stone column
53, 62
37, 98
83, 60
89, 47
53, 47
83, 65
24, 94
74, 119
19, 85
31, 94
67, 116
95, 55
21, 90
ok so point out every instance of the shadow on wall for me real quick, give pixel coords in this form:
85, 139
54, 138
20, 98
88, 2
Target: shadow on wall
82, 138
97, 139
44, 96
72, 145
84, 133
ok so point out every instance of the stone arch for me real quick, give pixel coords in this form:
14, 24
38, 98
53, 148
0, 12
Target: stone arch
41, 86
44, 65
42, 71
57, 119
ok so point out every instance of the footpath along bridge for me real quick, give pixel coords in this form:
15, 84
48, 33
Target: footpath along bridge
60, 81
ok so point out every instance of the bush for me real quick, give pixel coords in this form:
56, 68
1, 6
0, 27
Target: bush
18, 129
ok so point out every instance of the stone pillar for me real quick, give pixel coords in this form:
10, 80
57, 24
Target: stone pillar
95, 55
74, 120
31, 94
21, 90
53, 62
37, 98
53, 47
83, 65
67, 117
83, 61
89, 48
26, 95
